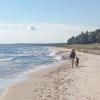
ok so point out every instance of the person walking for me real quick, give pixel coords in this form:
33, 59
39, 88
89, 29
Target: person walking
72, 56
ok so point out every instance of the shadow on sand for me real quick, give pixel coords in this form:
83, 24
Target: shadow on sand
81, 66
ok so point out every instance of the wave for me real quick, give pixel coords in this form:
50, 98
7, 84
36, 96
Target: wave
6, 59
56, 55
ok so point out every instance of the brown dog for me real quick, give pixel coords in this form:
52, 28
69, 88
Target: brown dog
77, 61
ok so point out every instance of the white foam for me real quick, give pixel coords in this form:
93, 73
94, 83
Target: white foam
52, 53
5, 59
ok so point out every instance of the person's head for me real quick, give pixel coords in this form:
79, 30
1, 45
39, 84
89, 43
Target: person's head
73, 49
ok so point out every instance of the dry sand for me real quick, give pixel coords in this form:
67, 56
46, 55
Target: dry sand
61, 82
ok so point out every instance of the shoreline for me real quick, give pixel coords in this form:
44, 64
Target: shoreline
60, 82
21, 77
40, 68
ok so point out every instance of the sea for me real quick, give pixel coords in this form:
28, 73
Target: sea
18, 59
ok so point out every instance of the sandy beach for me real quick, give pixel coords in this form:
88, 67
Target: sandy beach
60, 82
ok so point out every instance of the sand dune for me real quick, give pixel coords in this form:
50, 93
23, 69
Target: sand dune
61, 82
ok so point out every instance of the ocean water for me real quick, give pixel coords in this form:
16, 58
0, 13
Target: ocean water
17, 59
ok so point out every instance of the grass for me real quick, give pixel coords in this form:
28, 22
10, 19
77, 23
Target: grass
87, 48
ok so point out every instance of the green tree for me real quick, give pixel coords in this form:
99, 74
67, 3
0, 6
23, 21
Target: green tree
71, 40
85, 38
92, 37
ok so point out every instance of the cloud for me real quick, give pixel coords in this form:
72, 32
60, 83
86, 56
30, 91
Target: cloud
17, 27
40, 32
31, 28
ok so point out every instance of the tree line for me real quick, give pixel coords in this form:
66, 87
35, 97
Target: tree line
85, 38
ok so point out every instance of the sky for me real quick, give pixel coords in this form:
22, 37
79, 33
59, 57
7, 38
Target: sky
46, 21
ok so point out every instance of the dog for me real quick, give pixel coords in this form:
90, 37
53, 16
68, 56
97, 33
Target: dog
77, 62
